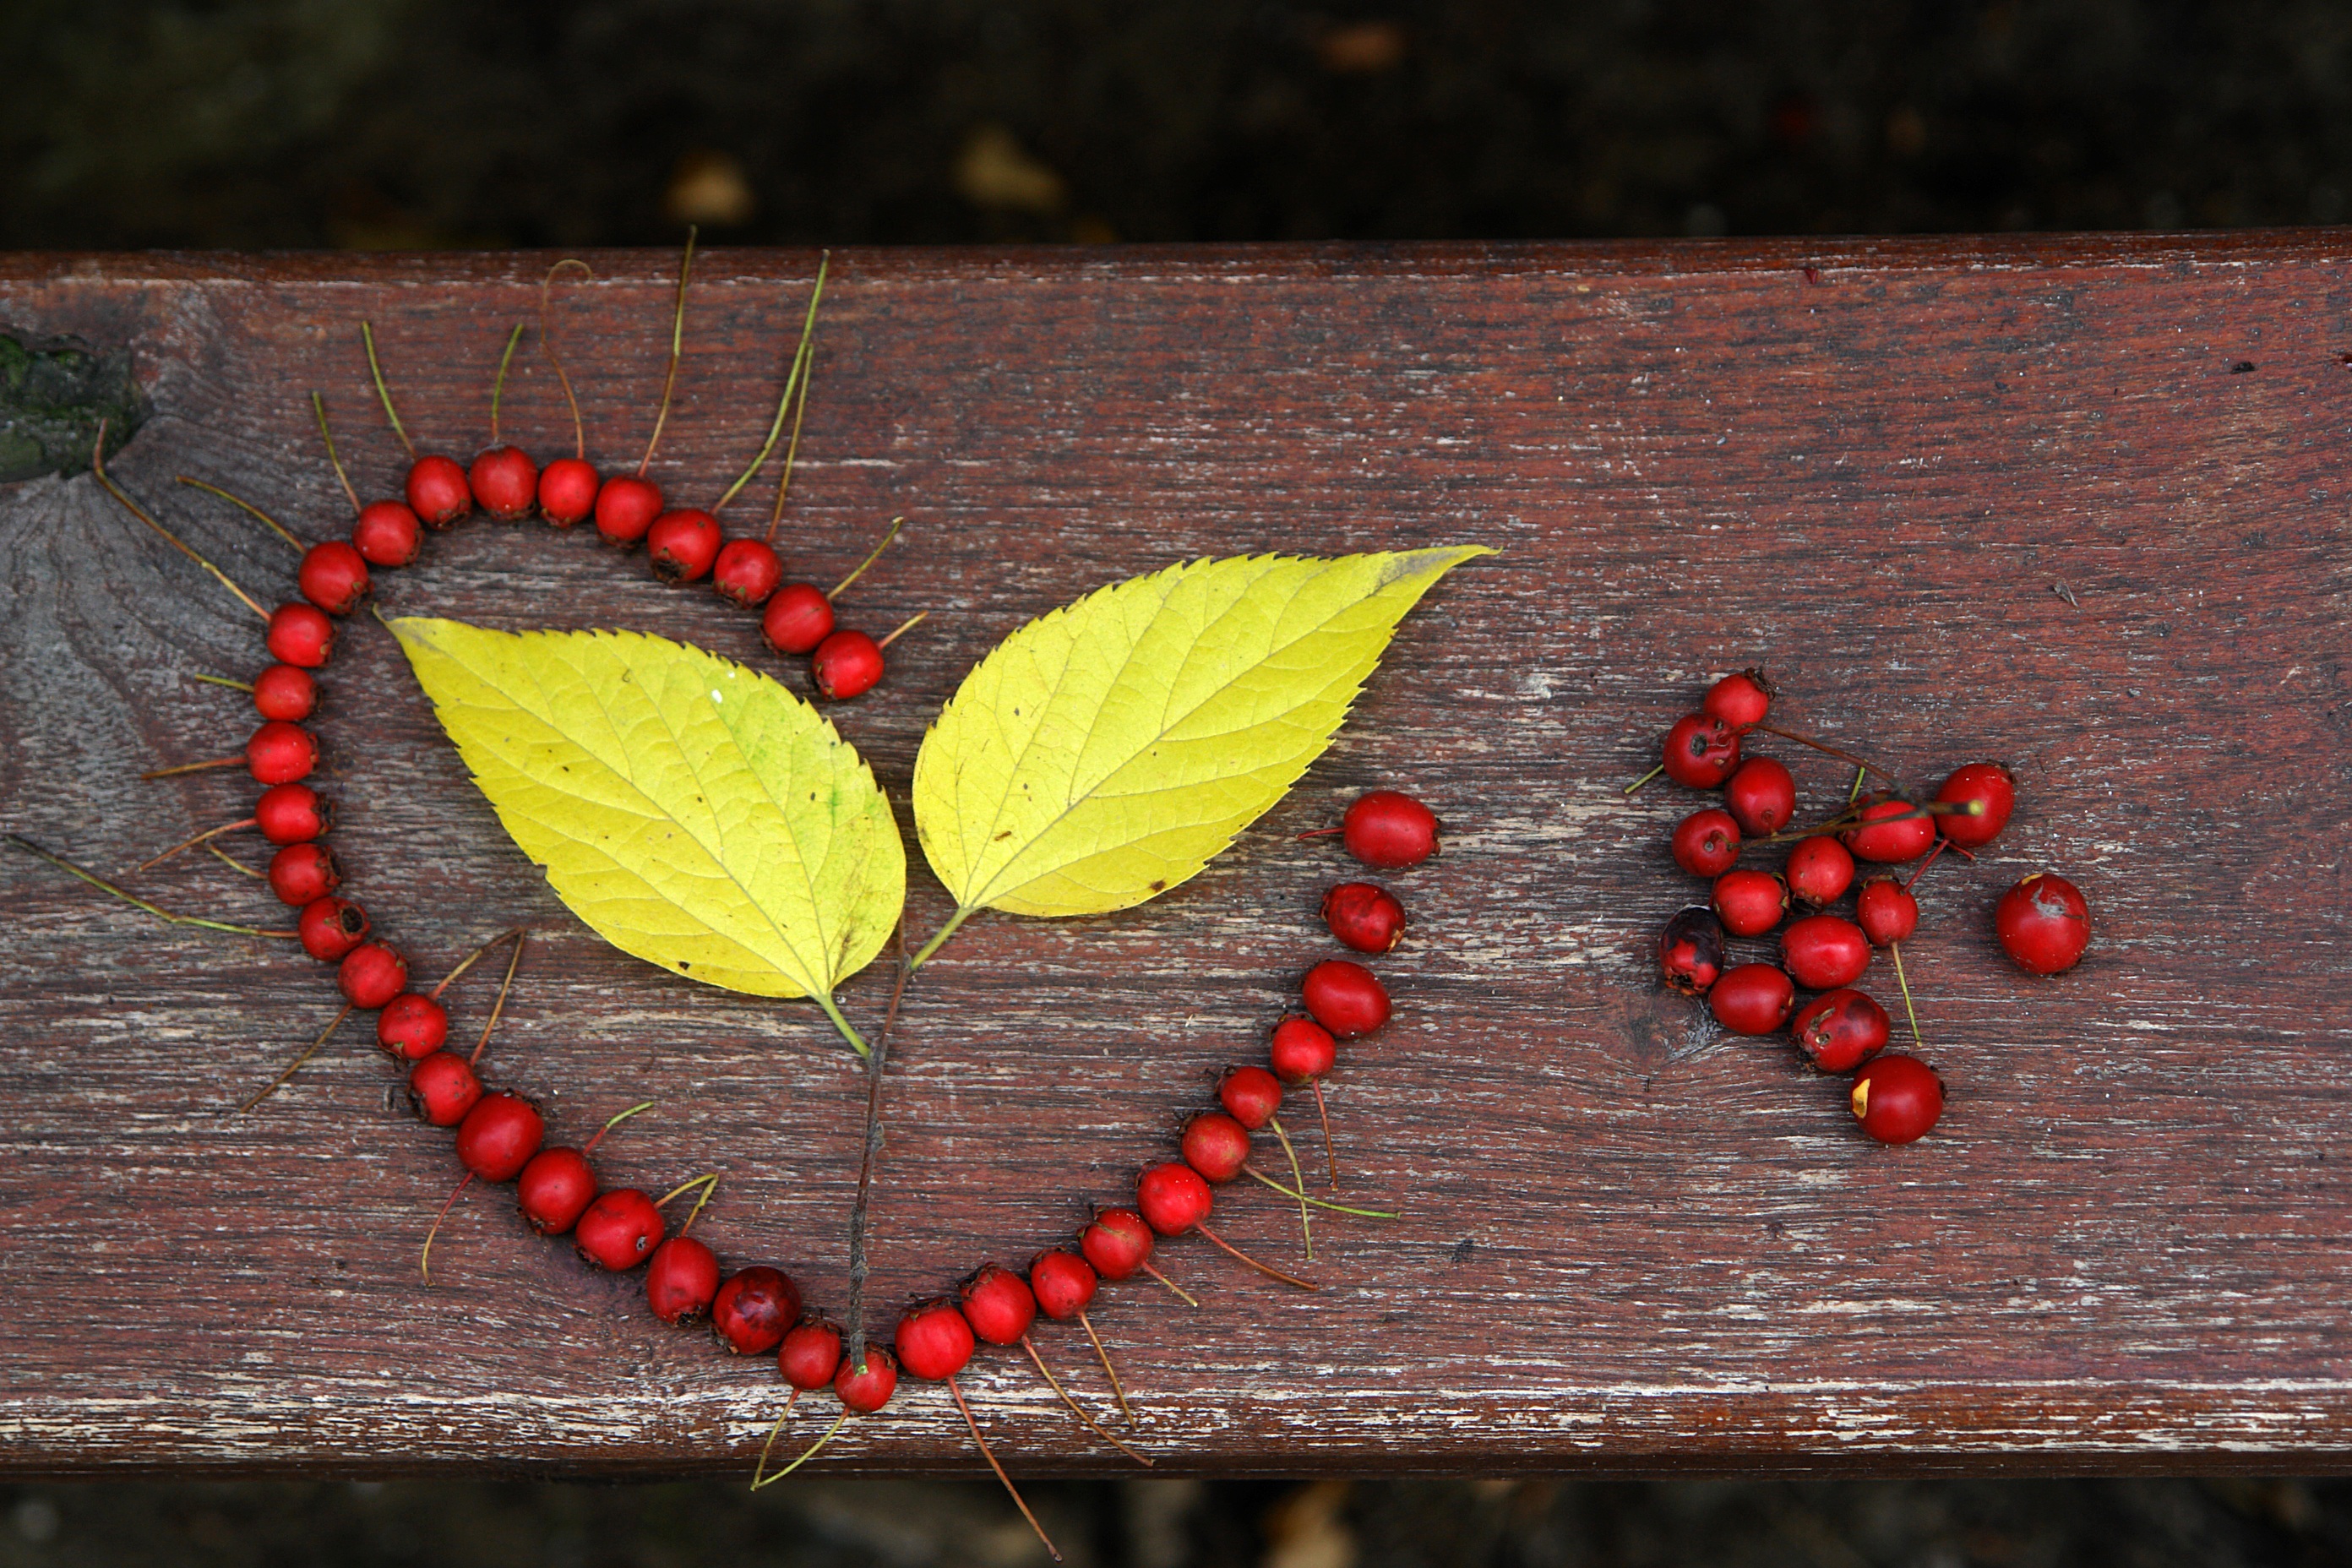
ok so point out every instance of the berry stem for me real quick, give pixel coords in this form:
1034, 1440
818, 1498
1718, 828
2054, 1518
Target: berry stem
872, 1147
236, 761
244, 686
905, 627
759, 1480
206, 836
708, 1185
1894, 949
275, 1084
1825, 747
499, 385
579, 430
800, 408
1306, 1225
676, 351
1269, 1269
384, 393
1630, 789
319, 407
589, 1146
1117, 1391
425, 1258
1182, 1294
871, 556
274, 526
784, 406
1323, 1114
102, 885
499, 1005
1930, 860
98, 469
225, 858
1076, 1408
1257, 1175
473, 958
1051, 1550
1855, 793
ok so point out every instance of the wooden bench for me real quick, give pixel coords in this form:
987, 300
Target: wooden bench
2077, 504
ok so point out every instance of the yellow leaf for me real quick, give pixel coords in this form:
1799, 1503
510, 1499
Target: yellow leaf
1105, 752
691, 811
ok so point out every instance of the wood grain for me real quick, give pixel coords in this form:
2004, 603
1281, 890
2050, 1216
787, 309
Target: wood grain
1963, 499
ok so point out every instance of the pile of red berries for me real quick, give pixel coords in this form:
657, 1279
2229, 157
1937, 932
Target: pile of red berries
2043, 922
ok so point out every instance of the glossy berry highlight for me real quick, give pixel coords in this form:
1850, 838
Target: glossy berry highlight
2044, 923
499, 1136
934, 1340
1389, 829
1172, 1198
293, 814
1752, 999
1345, 997
555, 1188
998, 1305
1823, 953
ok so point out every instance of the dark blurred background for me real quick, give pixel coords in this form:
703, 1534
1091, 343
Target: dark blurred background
392, 123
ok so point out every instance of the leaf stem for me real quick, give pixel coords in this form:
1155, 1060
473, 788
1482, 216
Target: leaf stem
947, 930
832, 1011
872, 1146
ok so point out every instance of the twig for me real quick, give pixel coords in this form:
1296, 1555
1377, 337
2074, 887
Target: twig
857, 1266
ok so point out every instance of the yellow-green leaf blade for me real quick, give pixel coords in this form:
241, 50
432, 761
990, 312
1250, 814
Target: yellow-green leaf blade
1107, 752
693, 812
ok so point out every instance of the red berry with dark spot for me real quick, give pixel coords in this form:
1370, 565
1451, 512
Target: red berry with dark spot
1839, 1030
333, 577
998, 1305
1706, 842
1752, 999
293, 814
933, 1340
680, 1278
755, 1309
1820, 871
567, 490
846, 665
1700, 751
864, 1392
810, 1354
1250, 1095
438, 490
370, 976
387, 533
1063, 1283
330, 928
1172, 1198
1117, 1243
442, 1089
301, 874
1739, 700
1301, 1048
747, 571
1690, 950
499, 1136
413, 1027
504, 482
286, 693
1216, 1145
682, 544
797, 618
1896, 1099
1892, 830
2043, 922
280, 752
1990, 791
1345, 998
626, 507
1751, 903
619, 1230
1762, 796
300, 634
1389, 829
1885, 912
1824, 952
1364, 916
555, 1188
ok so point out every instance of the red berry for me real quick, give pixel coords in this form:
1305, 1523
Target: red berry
1820, 871
797, 618
1896, 1099
682, 544
438, 490
754, 1309
933, 1340
1700, 751
1216, 1145
1364, 916
864, 1392
1063, 1283
567, 490
1173, 1197
1751, 903
387, 533
555, 1188
1706, 842
1690, 950
1250, 1095
333, 577
747, 571
2043, 922
846, 665
626, 507
619, 1230
1301, 1050
1117, 1243
1886, 910
412, 1026
330, 928
1345, 998
1824, 952
1839, 1030
303, 873
280, 752
442, 1089
285, 692
810, 1354
680, 1279
1739, 700
1752, 999
998, 1305
300, 634
499, 1136
1762, 796
1389, 829
1989, 790
293, 814
504, 482
1892, 829
370, 976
